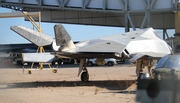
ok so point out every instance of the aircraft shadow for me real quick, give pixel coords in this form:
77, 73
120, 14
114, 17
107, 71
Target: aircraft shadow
108, 84
124, 92
37, 65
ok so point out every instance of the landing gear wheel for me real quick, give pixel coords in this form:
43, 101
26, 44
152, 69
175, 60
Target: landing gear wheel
55, 71
84, 77
29, 72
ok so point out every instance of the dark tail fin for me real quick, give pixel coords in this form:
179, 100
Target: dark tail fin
63, 39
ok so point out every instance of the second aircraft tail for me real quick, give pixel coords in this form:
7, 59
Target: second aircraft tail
33, 36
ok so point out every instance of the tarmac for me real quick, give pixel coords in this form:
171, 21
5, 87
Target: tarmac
114, 84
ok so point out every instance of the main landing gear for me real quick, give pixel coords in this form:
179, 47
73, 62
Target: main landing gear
85, 75
83, 70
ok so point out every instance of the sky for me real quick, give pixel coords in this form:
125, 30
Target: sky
77, 32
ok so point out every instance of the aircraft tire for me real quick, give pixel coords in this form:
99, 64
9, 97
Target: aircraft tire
84, 77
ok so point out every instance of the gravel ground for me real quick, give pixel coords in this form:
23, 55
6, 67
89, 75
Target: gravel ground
114, 84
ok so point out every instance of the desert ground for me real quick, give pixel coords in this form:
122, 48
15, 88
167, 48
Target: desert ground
116, 84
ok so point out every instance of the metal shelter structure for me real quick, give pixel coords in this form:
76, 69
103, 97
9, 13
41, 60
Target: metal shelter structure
120, 13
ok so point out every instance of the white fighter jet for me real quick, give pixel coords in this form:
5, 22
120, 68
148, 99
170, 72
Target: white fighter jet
133, 44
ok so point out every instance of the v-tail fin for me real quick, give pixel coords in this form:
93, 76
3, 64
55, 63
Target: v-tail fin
33, 36
63, 39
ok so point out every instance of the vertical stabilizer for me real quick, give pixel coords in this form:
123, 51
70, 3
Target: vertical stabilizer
63, 39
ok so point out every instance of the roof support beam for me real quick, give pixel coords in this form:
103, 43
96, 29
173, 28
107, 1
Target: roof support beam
126, 22
148, 14
126, 5
122, 4
165, 34
104, 4
85, 3
144, 2
21, 1
59, 2
144, 20
65, 2
39, 2
152, 3
131, 22
62, 3
148, 19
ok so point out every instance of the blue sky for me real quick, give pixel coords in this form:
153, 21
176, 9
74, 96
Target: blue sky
77, 32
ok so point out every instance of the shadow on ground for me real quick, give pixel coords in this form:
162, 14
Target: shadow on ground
37, 65
124, 92
58, 66
109, 84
